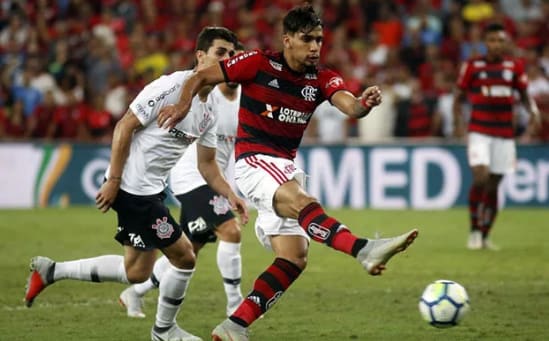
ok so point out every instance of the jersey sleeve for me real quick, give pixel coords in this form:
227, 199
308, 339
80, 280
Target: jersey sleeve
156, 95
242, 67
332, 82
464, 76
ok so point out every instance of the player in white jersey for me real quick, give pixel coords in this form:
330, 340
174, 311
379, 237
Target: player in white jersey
141, 158
205, 215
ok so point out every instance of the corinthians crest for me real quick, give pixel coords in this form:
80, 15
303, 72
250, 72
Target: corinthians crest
220, 204
163, 228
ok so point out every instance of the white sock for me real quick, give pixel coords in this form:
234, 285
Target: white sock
160, 267
108, 268
229, 263
172, 292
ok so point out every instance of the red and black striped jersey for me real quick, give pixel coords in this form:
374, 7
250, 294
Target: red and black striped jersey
490, 87
277, 103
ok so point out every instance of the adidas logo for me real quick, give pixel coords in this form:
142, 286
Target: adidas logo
274, 83
255, 299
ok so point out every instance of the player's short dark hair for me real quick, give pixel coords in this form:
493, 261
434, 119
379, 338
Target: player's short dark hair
207, 36
239, 46
301, 19
493, 27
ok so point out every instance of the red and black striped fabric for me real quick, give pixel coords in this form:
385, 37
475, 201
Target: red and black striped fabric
491, 91
276, 103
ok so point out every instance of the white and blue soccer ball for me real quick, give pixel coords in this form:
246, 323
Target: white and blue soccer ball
444, 303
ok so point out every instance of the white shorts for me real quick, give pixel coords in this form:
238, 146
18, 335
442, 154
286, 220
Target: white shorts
258, 177
499, 154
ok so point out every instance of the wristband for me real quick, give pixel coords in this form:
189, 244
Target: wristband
364, 104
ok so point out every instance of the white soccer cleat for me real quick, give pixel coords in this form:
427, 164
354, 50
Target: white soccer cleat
42, 269
229, 331
475, 240
377, 252
488, 245
132, 302
174, 333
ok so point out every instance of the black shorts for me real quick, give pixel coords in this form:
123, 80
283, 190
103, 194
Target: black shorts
202, 211
144, 222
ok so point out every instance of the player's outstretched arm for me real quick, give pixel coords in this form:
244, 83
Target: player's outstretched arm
357, 107
459, 121
120, 149
170, 115
210, 171
534, 124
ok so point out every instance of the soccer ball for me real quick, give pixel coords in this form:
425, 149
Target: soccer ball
444, 303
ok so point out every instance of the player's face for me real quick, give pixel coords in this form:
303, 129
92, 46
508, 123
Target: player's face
234, 85
220, 50
496, 43
304, 48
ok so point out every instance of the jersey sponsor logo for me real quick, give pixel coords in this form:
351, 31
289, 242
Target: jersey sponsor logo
286, 115
507, 75
318, 232
240, 57
163, 229
274, 83
186, 139
163, 95
275, 65
273, 299
136, 240
198, 225
141, 110
496, 90
220, 204
309, 93
334, 82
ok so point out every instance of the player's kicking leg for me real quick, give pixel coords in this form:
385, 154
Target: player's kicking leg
42, 270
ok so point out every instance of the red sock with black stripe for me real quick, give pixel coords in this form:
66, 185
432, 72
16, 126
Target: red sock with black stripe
325, 229
490, 211
476, 194
268, 288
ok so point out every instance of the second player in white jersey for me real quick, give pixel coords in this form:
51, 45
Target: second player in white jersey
185, 176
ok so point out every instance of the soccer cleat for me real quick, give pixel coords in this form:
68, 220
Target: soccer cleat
377, 252
132, 302
229, 331
174, 333
475, 240
42, 269
488, 245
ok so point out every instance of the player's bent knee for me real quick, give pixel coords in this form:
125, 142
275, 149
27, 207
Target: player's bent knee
137, 276
229, 232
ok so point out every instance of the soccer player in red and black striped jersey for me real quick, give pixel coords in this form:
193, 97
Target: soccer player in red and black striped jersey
490, 83
280, 92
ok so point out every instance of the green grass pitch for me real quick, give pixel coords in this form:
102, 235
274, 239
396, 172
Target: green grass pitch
333, 300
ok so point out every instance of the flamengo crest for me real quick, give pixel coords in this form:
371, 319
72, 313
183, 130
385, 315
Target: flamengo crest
309, 93
163, 229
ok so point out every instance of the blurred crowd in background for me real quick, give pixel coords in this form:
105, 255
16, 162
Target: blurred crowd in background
69, 68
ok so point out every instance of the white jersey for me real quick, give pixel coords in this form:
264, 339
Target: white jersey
154, 150
185, 177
